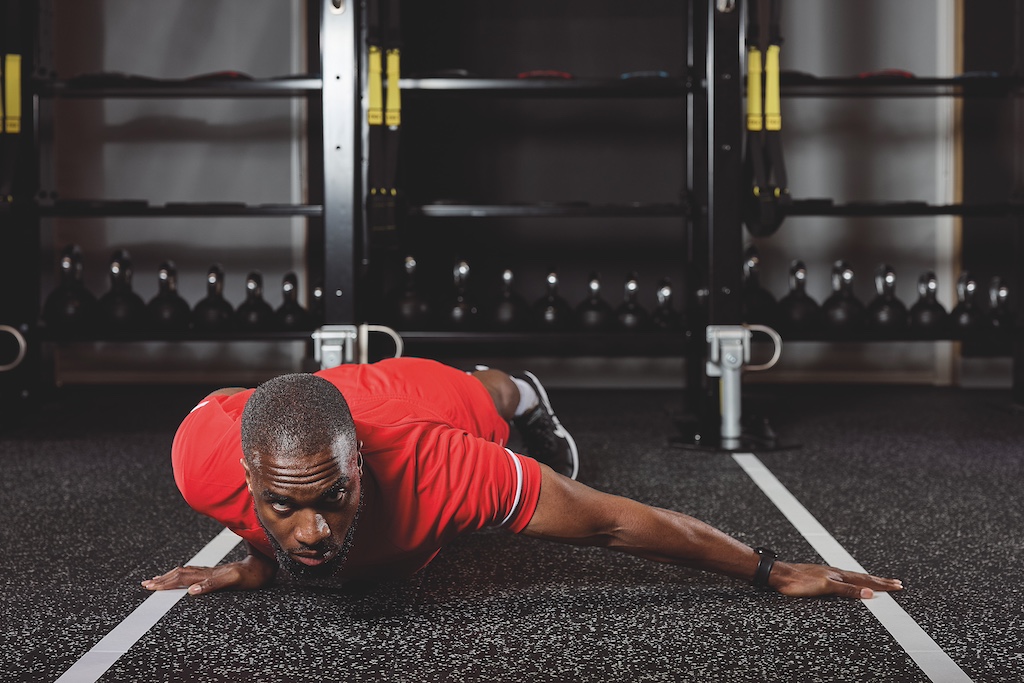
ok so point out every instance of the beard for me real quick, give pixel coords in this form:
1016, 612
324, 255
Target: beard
326, 575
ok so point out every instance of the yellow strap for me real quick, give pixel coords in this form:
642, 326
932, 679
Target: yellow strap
772, 104
1, 102
755, 115
393, 109
375, 111
12, 93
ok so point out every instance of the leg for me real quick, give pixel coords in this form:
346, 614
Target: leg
543, 435
502, 389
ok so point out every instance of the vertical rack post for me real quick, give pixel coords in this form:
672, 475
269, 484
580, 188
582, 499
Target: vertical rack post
19, 227
342, 154
1017, 330
724, 139
713, 166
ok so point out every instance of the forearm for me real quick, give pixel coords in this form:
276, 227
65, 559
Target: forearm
675, 538
573, 513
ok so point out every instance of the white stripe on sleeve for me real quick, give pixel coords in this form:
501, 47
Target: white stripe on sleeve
519, 487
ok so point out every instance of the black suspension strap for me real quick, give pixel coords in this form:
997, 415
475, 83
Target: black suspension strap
384, 119
764, 167
11, 96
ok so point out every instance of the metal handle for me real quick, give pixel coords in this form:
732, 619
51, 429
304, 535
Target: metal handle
22, 348
364, 338
778, 347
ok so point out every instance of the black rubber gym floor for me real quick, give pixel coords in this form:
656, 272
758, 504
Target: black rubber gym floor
924, 484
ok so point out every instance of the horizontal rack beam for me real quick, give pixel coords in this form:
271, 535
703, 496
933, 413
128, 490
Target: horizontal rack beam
663, 343
806, 85
154, 88
55, 337
100, 208
546, 209
825, 207
552, 87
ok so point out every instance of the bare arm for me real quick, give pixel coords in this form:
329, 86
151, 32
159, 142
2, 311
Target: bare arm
255, 571
570, 512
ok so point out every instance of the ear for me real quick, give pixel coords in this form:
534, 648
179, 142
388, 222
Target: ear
248, 474
359, 460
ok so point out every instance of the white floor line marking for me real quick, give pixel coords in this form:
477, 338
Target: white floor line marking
102, 656
935, 663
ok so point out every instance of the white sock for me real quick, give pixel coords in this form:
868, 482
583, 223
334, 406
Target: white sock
528, 398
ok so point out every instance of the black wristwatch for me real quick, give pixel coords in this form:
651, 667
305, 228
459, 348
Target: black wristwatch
764, 566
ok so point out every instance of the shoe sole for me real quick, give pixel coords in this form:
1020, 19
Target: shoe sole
559, 429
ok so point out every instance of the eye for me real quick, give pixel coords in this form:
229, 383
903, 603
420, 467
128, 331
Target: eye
335, 496
280, 507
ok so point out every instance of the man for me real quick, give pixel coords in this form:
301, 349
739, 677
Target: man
365, 471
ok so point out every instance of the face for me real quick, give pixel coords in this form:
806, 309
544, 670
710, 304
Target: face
308, 505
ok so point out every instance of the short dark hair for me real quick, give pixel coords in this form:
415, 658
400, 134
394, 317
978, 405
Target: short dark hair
295, 415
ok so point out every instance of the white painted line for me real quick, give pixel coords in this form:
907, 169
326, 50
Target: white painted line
935, 663
102, 656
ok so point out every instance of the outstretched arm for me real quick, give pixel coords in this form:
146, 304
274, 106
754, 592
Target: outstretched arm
571, 512
255, 571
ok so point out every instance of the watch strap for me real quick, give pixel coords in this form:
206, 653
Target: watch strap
764, 566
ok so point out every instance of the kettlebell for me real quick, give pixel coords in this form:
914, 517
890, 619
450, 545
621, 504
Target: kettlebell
887, 315
630, 315
799, 314
254, 314
406, 308
213, 313
928, 319
290, 314
594, 313
966, 318
167, 312
120, 310
552, 313
843, 311
999, 315
462, 313
665, 316
70, 308
510, 311
758, 304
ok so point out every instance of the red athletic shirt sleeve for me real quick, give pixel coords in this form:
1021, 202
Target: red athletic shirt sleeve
206, 459
460, 482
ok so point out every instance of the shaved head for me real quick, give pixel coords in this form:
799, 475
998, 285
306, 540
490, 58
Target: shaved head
295, 415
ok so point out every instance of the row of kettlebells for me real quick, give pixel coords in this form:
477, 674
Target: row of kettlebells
843, 315
409, 308
72, 309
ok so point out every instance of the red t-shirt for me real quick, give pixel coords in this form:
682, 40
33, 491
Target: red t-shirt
434, 464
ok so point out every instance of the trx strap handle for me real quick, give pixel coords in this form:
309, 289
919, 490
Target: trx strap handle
375, 112
393, 53
765, 168
12, 94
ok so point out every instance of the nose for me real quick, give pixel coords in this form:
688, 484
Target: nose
312, 529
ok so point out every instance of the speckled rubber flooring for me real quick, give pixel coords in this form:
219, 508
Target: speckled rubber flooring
920, 483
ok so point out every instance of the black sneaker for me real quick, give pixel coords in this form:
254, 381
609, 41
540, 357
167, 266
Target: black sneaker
544, 436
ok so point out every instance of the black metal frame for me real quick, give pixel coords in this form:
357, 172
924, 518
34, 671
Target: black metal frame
334, 150
342, 141
337, 137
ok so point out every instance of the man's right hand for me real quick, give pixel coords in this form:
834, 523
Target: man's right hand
255, 571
